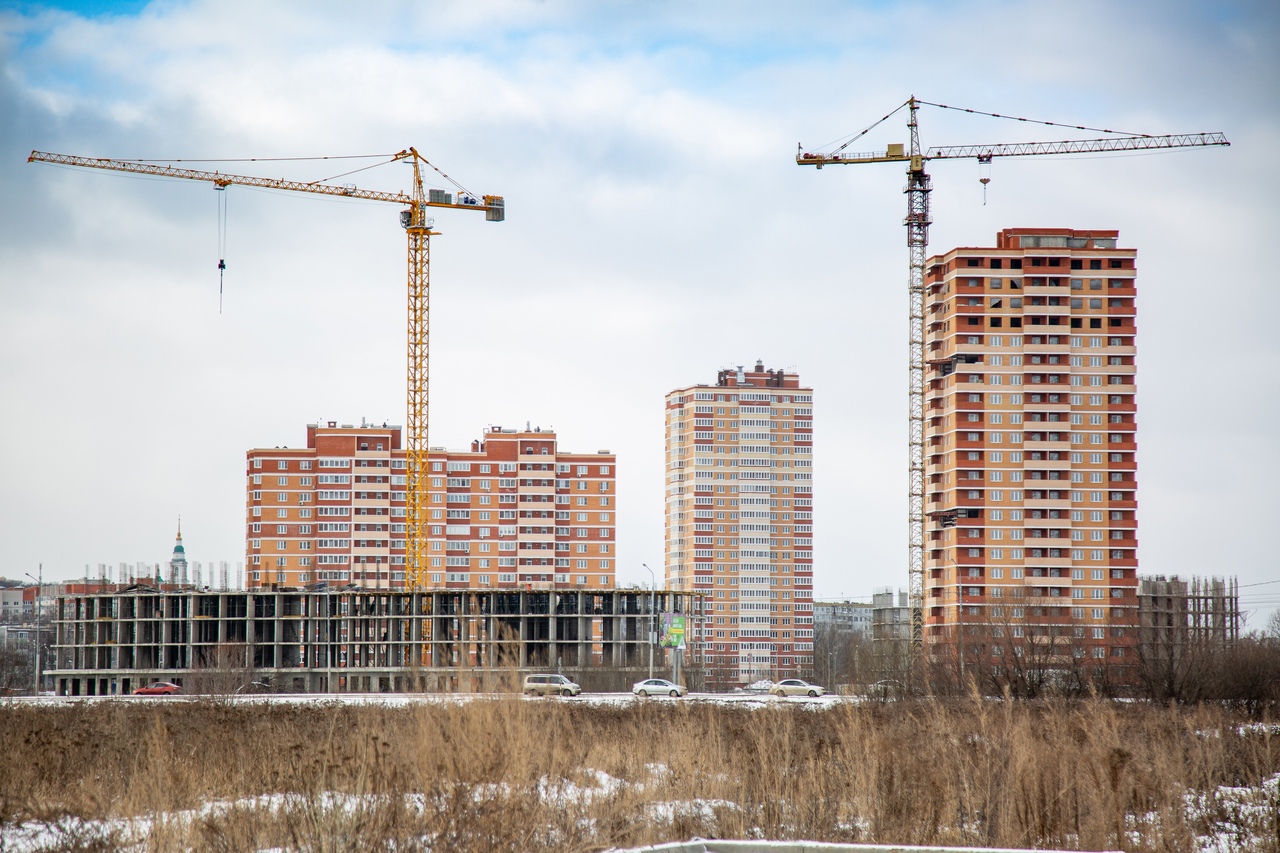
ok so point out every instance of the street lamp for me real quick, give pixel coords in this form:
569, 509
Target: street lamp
39, 590
653, 614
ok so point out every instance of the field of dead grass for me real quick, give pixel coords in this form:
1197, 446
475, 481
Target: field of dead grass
510, 774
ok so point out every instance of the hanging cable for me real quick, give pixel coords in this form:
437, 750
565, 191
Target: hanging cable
222, 239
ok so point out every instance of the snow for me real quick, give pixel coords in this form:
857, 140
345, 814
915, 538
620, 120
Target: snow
394, 700
1238, 819
1232, 819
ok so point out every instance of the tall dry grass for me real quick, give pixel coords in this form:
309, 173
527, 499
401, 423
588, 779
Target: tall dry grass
527, 775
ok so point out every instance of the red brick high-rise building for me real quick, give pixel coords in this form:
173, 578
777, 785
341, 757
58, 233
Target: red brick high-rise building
512, 511
1031, 539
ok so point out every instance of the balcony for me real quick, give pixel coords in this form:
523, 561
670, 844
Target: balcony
1063, 345
1048, 562
1043, 503
1045, 446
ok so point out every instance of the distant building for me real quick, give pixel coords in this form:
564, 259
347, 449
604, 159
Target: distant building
17, 636
513, 511
11, 603
852, 618
739, 518
1173, 612
890, 615
890, 634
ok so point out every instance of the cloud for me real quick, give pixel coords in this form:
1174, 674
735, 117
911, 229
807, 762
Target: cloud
657, 231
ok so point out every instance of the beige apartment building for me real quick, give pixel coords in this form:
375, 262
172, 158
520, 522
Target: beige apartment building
739, 519
1031, 537
513, 511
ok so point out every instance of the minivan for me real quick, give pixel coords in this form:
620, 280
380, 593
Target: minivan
546, 685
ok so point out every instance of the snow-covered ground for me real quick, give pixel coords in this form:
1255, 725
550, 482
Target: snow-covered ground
1231, 819
742, 700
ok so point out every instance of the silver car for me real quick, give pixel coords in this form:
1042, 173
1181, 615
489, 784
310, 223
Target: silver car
658, 687
550, 685
796, 687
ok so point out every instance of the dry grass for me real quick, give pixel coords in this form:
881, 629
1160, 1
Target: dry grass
525, 775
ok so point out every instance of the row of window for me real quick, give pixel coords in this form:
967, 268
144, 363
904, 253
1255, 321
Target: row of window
1073, 438
1072, 379
1076, 554
1074, 341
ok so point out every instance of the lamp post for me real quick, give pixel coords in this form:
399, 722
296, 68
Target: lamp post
39, 590
653, 613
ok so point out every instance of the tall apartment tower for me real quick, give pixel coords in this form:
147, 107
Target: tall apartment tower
513, 511
739, 518
1031, 538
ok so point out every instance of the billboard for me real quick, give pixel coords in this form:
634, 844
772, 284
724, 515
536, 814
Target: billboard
673, 631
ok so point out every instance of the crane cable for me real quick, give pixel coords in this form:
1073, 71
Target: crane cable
1027, 120
867, 129
222, 238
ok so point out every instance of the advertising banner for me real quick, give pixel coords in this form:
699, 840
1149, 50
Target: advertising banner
673, 631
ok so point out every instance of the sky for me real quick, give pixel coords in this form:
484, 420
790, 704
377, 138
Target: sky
657, 230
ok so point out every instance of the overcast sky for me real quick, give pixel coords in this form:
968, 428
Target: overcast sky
657, 230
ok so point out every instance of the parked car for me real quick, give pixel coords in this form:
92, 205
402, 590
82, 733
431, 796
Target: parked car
796, 687
158, 688
550, 685
658, 687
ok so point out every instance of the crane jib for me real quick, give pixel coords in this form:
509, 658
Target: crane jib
894, 154
494, 206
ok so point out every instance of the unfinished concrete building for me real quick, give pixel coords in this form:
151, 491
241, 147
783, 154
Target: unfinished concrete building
1172, 611
1183, 629
337, 641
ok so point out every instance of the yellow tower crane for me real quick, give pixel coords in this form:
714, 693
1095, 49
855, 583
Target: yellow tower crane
418, 229
917, 221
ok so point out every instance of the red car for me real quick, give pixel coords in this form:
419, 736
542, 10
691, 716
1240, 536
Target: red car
158, 688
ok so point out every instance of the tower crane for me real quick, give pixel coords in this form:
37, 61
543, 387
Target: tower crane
917, 221
417, 228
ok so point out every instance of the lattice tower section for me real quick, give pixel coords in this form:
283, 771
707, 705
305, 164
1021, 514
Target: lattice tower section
417, 395
917, 222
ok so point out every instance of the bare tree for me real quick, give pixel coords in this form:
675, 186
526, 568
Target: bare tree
227, 670
15, 670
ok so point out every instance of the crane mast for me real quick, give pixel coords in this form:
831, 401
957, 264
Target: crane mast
417, 395
417, 226
917, 222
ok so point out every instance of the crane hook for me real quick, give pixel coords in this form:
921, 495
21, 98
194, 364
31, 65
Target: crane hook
984, 174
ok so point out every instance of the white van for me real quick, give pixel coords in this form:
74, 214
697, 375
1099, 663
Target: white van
547, 685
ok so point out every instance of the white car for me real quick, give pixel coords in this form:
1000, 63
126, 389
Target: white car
658, 687
796, 687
